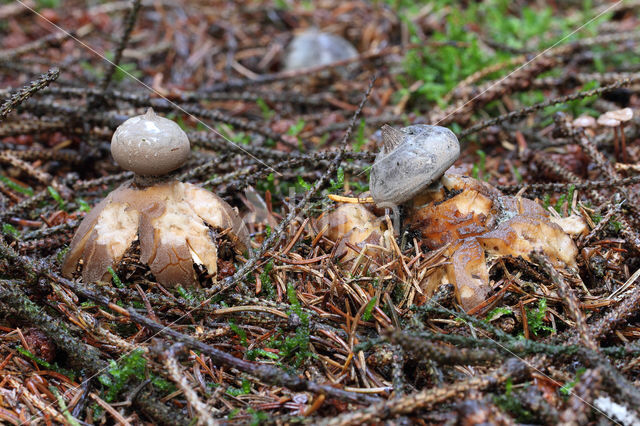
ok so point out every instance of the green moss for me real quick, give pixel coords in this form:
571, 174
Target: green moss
258, 417
498, 312
535, 318
267, 285
119, 374
366, 315
508, 402
297, 345
239, 331
9, 229
253, 354
187, 295
72, 421
246, 388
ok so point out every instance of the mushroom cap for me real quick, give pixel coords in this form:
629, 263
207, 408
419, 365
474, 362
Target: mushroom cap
624, 114
150, 145
608, 121
584, 121
411, 159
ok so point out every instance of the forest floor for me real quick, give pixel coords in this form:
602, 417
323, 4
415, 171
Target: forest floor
525, 312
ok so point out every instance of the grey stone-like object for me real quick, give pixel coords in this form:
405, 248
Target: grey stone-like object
150, 145
314, 48
410, 160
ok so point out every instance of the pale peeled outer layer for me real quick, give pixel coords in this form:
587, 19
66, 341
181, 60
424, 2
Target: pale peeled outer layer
150, 145
170, 219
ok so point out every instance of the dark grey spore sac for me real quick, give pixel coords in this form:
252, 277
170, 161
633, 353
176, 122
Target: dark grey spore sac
410, 160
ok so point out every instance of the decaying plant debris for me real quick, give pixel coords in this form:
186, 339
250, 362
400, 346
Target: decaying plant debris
506, 294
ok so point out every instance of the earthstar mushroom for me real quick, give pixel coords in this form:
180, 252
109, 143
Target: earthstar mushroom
467, 220
177, 224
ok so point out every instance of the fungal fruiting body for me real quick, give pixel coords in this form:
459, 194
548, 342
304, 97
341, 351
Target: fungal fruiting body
354, 226
410, 160
476, 220
176, 224
466, 219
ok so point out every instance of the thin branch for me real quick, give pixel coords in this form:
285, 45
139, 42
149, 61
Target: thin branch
27, 91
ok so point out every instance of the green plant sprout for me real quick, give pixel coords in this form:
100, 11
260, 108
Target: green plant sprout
116, 280
337, 186
566, 389
267, 112
26, 190
83, 206
57, 197
42, 363
478, 171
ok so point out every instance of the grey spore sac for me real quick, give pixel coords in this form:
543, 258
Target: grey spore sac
410, 160
314, 48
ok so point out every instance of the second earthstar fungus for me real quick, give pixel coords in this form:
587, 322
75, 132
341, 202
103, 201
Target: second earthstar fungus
176, 224
469, 220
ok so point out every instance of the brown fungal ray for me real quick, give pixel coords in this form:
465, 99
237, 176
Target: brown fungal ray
522, 234
468, 273
167, 256
479, 219
522, 206
102, 238
465, 215
80, 238
217, 213
168, 218
572, 225
458, 182
355, 224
